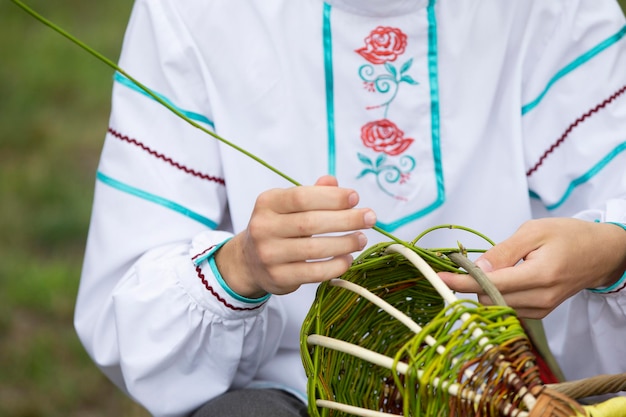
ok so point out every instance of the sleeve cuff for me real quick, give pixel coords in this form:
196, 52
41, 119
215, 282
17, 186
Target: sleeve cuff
617, 287
620, 284
210, 258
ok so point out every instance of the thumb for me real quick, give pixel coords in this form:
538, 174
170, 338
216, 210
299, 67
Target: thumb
484, 264
504, 254
328, 180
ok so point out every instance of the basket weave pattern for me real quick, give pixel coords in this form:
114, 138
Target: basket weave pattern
457, 359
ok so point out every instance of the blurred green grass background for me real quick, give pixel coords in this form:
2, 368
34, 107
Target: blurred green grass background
54, 105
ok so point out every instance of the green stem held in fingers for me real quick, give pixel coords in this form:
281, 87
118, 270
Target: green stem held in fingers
113, 65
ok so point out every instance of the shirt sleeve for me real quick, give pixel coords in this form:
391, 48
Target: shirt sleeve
574, 111
574, 121
150, 311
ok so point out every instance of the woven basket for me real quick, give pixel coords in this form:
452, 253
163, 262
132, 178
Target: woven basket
389, 338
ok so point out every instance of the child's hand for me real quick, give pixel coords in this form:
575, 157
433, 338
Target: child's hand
273, 254
561, 256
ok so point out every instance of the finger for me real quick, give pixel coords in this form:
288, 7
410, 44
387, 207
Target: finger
463, 283
508, 252
311, 223
539, 306
525, 288
529, 289
288, 277
507, 280
312, 248
308, 198
517, 279
530, 304
527, 275
321, 222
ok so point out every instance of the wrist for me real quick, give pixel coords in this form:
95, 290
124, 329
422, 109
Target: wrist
619, 285
231, 272
618, 281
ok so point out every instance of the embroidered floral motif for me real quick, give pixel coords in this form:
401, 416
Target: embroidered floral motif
384, 44
389, 173
384, 136
386, 83
380, 75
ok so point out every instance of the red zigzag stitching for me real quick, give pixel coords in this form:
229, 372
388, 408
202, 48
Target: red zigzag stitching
216, 295
165, 158
572, 127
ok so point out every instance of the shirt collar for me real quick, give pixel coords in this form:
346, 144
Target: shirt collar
379, 8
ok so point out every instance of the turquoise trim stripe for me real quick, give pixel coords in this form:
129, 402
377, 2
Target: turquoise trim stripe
586, 176
199, 259
581, 60
433, 71
613, 288
229, 290
433, 54
210, 258
330, 89
155, 199
622, 225
121, 79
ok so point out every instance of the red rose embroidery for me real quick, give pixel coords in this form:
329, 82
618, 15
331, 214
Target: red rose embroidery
384, 136
383, 44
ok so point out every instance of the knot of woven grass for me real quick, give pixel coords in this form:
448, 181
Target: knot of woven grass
552, 403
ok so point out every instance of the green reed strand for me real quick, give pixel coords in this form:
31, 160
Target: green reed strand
113, 65
452, 226
116, 67
498, 325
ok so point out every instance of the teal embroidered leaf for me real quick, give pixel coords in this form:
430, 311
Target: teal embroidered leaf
380, 160
408, 79
364, 159
406, 66
392, 70
365, 172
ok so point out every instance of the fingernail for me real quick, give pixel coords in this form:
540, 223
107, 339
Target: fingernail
353, 199
362, 240
369, 218
484, 265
